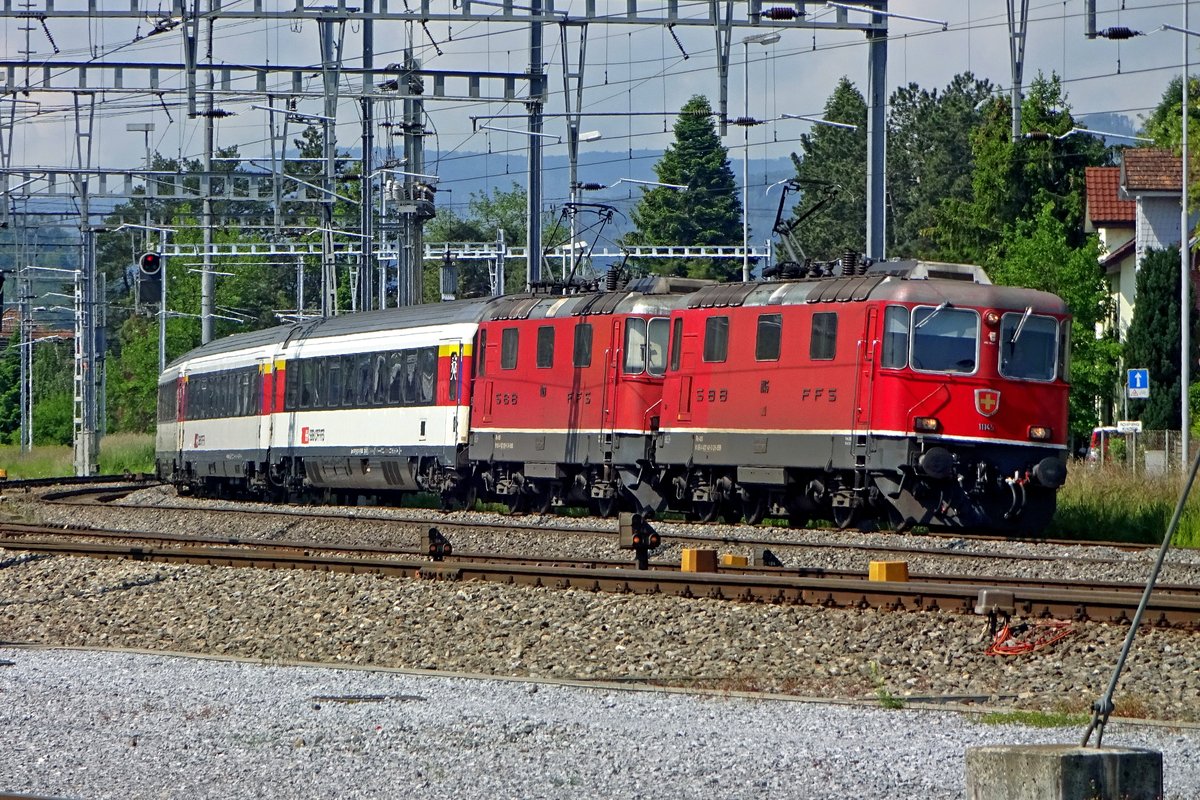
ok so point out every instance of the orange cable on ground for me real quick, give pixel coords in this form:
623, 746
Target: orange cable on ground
1005, 642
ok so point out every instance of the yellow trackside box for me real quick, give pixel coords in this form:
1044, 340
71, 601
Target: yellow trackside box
889, 571
730, 560
695, 560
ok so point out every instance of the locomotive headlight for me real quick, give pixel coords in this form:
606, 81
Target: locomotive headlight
926, 425
992, 319
1040, 433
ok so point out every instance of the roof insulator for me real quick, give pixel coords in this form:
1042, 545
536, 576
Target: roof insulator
1118, 32
780, 13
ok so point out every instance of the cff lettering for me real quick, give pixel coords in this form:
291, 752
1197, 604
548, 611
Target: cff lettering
827, 395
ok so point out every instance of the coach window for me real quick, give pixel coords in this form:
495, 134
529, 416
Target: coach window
306, 374
332, 367
770, 337
410, 377
635, 346
582, 357
822, 346
716, 339
366, 383
944, 339
895, 337
545, 347
291, 379
508, 348
676, 342
395, 378
379, 377
656, 343
428, 364
1028, 346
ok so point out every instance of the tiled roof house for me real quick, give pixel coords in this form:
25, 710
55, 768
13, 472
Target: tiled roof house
1113, 219
1134, 208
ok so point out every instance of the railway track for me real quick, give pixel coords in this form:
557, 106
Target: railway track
292, 515
1172, 605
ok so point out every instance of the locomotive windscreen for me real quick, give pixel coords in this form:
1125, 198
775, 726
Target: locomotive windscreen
944, 339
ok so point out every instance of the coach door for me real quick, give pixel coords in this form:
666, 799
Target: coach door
610, 390
868, 346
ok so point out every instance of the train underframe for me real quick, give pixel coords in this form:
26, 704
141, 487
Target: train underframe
1000, 488
1004, 489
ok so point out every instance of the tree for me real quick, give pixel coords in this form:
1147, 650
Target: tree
707, 212
485, 217
929, 157
1028, 247
53, 393
10, 389
836, 156
1154, 338
1012, 181
1162, 124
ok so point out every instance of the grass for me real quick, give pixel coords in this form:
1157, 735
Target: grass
882, 693
119, 452
1036, 719
1108, 502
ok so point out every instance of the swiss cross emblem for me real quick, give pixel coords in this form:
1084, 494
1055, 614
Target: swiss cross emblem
987, 401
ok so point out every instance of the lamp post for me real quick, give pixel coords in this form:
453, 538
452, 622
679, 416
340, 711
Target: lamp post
764, 39
1185, 256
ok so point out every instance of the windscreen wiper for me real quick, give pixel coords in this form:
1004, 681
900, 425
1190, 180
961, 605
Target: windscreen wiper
1021, 326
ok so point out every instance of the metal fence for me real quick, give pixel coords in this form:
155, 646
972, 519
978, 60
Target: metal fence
1148, 452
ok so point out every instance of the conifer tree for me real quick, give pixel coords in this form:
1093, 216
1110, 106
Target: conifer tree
707, 212
1153, 340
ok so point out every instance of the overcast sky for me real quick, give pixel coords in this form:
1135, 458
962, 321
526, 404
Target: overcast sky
638, 68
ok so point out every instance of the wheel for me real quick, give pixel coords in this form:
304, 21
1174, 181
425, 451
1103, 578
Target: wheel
605, 506
517, 503
755, 507
844, 516
731, 513
461, 498
541, 500
704, 510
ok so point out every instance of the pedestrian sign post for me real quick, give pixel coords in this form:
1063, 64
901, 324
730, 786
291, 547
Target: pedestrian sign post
1139, 384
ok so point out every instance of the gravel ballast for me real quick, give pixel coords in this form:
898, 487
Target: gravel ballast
120, 725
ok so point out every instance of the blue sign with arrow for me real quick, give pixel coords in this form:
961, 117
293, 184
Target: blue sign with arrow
1139, 383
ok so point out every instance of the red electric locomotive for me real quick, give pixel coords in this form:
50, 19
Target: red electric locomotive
566, 395
916, 392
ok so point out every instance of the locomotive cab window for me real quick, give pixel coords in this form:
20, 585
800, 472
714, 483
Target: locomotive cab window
822, 346
1028, 346
656, 346
895, 337
716, 339
944, 339
770, 337
508, 348
582, 357
635, 346
545, 347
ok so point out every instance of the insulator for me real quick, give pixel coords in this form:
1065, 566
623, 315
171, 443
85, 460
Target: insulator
592, 187
746, 122
1119, 32
780, 13
849, 262
610, 280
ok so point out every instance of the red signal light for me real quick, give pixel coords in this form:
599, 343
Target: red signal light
150, 263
